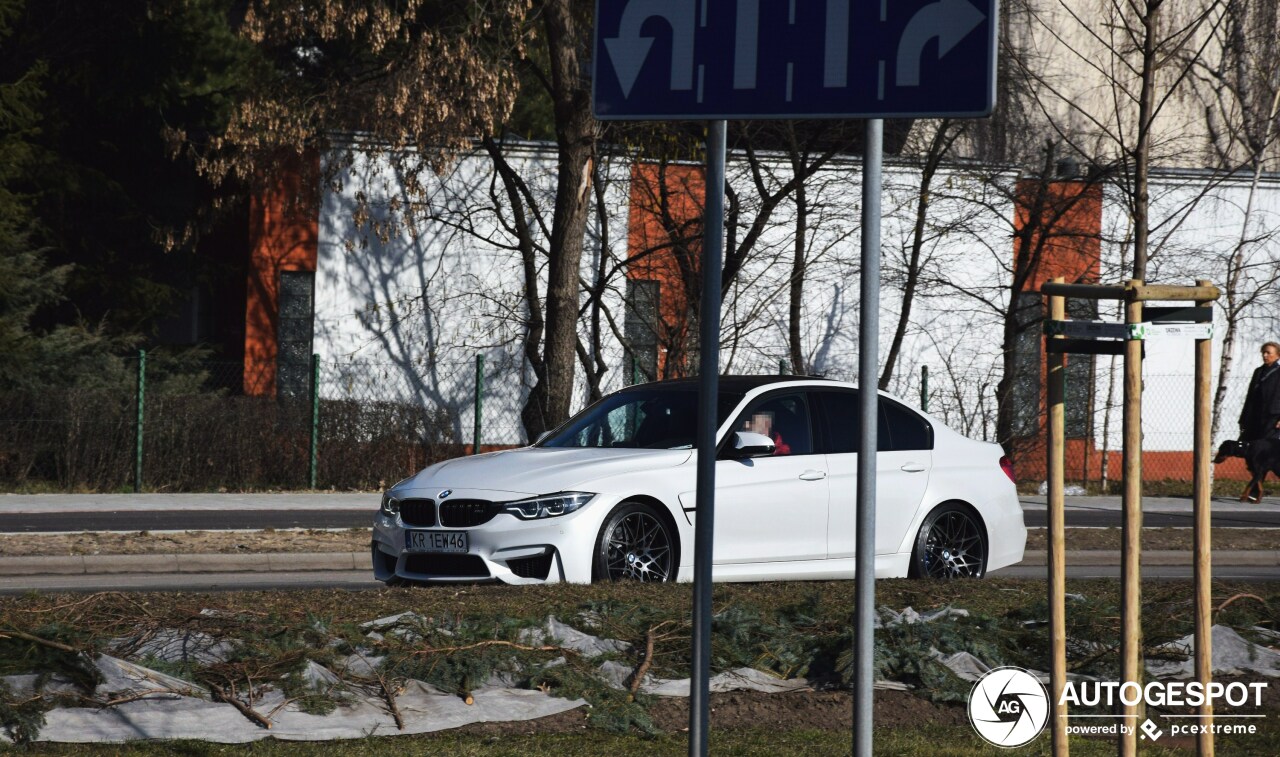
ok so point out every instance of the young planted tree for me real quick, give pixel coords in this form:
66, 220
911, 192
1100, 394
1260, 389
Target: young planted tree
1124, 108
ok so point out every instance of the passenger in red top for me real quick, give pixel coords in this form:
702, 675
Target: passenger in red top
762, 423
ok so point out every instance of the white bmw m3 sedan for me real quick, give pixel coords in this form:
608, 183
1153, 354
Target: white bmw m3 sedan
611, 495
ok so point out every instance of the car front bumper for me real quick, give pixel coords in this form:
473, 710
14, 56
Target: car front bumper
506, 548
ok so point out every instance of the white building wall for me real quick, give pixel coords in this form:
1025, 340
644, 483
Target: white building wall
402, 309
1197, 226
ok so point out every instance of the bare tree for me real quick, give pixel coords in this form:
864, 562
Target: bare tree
944, 135
424, 79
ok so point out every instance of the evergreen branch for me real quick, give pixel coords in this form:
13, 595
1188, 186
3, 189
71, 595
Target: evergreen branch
12, 634
244, 709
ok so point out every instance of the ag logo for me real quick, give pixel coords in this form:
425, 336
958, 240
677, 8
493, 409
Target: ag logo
1008, 707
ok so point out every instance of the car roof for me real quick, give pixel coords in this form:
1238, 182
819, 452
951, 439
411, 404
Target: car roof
732, 383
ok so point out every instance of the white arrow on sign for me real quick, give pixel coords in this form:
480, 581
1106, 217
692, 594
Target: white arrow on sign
948, 20
629, 50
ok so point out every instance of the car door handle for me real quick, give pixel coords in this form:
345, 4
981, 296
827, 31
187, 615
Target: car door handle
813, 475
913, 467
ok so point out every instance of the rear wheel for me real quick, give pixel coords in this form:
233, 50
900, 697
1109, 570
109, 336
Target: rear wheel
950, 544
635, 544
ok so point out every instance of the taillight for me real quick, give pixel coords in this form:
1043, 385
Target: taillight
1006, 465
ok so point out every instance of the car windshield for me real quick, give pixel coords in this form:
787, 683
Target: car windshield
642, 418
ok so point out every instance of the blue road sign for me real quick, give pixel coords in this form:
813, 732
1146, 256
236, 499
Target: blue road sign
722, 59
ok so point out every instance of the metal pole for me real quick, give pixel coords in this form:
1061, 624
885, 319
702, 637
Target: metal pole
1204, 606
708, 389
635, 370
477, 420
141, 394
924, 388
782, 368
1131, 555
1055, 464
864, 598
315, 420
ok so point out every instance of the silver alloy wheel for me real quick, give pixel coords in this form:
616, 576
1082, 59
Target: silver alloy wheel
638, 548
954, 547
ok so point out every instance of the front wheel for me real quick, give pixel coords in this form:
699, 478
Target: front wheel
635, 544
950, 545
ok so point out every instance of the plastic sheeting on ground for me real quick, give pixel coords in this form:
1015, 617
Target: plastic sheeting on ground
135, 702
422, 707
617, 675
1232, 655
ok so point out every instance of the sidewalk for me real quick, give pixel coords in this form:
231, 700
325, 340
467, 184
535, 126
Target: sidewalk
210, 501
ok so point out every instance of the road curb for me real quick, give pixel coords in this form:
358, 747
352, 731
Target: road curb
282, 562
1227, 557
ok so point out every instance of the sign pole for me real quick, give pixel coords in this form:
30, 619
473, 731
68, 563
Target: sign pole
708, 391
864, 601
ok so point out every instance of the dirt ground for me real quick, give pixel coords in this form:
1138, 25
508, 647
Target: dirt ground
828, 711
357, 540
818, 710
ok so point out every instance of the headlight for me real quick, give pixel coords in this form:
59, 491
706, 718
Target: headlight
390, 505
548, 505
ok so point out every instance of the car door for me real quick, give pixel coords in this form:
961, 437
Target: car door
902, 469
773, 508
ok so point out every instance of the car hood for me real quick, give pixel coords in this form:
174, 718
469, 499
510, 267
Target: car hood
540, 470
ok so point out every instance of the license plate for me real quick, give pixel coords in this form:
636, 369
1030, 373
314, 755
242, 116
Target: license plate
436, 541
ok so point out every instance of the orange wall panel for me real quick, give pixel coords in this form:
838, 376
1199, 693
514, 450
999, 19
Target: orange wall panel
1071, 215
283, 236
665, 230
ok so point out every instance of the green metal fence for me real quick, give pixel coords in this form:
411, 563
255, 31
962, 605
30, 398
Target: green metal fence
147, 423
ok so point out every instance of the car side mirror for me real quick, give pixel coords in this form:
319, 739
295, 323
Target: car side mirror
746, 444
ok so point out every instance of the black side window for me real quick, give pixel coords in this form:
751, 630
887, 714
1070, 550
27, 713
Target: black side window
907, 430
841, 415
899, 429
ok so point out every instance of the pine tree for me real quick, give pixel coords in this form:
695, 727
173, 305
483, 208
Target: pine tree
28, 358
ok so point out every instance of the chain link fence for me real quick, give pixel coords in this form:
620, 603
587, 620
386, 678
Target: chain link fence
369, 424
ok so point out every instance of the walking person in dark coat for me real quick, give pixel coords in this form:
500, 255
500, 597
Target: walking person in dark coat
1260, 420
